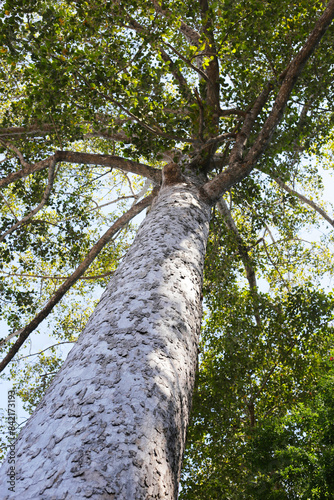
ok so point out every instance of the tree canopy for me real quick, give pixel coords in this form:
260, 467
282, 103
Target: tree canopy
97, 97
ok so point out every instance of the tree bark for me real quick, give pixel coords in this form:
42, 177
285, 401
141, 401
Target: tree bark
113, 422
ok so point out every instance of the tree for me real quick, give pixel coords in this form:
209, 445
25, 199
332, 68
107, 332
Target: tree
208, 96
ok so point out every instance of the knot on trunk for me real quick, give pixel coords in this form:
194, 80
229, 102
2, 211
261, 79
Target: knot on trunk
171, 174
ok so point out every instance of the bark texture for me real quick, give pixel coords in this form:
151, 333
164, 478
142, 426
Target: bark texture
113, 422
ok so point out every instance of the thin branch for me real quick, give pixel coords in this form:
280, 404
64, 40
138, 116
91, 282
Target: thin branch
39, 207
27, 170
111, 161
273, 263
86, 158
93, 253
11, 132
270, 234
29, 130
242, 248
10, 336
73, 217
155, 131
130, 185
166, 58
186, 30
303, 198
18, 153
272, 369
46, 349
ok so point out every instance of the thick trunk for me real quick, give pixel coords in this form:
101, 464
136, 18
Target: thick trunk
113, 422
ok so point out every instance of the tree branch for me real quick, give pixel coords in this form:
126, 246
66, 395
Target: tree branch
292, 73
286, 284
186, 30
29, 130
232, 111
45, 198
8, 206
56, 278
93, 253
46, 349
166, 58
239, 167
153, 131
251, 116
303, 198
27, 169
111, 161
243, 252
184, 59
212, 72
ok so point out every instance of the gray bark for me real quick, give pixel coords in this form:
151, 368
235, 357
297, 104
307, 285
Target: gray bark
113, 422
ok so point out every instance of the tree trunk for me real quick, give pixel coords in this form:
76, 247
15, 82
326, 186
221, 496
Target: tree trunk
113, 422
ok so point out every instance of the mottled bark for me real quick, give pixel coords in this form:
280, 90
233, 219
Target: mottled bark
113, 423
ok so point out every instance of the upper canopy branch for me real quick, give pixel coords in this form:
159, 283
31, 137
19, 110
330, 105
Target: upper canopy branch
175, 71
154, 131
184, 59
292, 73
251, 116
240, 167
84, 158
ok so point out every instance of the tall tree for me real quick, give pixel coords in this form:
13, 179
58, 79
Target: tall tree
208, 92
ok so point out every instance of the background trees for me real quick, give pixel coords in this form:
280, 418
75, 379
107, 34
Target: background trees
126, 86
